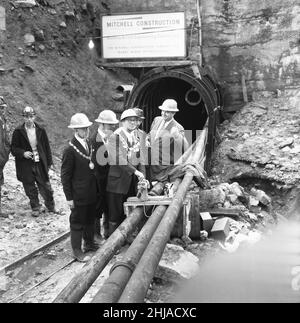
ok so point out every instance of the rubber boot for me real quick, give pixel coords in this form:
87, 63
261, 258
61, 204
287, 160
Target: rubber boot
76, 237
105, 224
88, 239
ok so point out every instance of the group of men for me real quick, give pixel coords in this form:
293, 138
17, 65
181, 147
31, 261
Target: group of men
98, 172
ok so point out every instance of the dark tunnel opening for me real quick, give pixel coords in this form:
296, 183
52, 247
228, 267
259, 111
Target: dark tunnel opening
199, 98
192, 113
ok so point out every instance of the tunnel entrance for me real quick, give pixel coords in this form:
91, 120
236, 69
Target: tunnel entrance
190, 116
198, 97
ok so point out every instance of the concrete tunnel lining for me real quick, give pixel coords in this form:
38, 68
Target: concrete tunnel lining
161, 83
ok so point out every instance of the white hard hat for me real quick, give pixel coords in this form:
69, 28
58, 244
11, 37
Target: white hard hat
28, 111
107, 116
169, 105
128, 113
79, 120
139, 112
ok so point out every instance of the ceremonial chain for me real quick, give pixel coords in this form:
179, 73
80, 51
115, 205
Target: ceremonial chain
91, 164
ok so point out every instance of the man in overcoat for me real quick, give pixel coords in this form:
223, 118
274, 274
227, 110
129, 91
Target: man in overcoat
80, 187
33, 159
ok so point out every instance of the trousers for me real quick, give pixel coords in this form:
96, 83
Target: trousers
39, 184
82, 217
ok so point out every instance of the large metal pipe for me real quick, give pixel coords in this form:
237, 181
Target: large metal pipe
140, 280
136, 289
79, 285
121, 272
113, 287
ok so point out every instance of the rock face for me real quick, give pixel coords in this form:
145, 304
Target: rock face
256, 39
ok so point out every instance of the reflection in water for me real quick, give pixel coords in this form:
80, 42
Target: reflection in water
268, 271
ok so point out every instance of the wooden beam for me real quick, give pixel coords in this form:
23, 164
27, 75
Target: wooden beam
142, 64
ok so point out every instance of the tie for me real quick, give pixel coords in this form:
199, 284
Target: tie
87, 147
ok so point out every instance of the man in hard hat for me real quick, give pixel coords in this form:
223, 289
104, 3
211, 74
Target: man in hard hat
140, 134
167, 140
107, 121
142, 138
125, 168
80, 187
4, 142
33, 158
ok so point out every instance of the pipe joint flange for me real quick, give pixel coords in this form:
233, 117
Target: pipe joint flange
128, 264
193, 97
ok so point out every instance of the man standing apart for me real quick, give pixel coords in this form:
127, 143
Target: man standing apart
107, 120
80, 187
33, 158
4, 142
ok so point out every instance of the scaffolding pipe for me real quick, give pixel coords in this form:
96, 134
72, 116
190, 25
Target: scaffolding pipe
198, 4
136, 288
120, 273
80, 284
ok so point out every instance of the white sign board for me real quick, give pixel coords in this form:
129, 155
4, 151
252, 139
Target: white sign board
144, 35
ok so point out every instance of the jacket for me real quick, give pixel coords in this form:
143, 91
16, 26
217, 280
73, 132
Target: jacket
78, 179
124, 161
20, 144
100, 160
167, 145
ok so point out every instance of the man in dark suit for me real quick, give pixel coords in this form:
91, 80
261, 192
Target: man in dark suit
4, 143
167, 141
33, 158
80, 187
107, 120
125, 168
142, 138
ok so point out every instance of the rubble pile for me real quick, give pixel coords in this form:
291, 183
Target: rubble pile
262, 141
224, 217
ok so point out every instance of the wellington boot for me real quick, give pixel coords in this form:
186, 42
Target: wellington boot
89, 239
88, 246
76, 238
80, 256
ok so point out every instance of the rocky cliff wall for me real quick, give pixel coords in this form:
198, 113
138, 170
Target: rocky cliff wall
257, 39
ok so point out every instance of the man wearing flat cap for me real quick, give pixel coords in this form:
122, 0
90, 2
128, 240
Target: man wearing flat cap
167, 141
4, 142
33, 158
